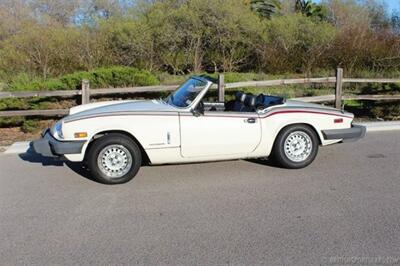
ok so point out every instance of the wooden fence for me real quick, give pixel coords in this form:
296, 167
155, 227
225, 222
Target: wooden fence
86, 92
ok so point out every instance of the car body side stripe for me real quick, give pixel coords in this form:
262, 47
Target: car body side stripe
303, 111
263, 116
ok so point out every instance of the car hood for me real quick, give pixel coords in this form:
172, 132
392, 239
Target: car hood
97, 109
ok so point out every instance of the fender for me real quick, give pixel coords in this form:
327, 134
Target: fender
274, 122
150, 132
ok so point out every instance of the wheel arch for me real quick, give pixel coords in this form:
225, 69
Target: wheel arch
313, 128
145, 157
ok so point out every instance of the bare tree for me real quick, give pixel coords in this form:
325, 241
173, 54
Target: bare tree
59, 11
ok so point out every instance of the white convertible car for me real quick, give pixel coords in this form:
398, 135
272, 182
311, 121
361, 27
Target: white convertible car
114, 138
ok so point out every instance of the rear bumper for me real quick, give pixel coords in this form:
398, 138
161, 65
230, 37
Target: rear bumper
354, 133
48, 146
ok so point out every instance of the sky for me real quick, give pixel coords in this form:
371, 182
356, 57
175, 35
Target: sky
392, 5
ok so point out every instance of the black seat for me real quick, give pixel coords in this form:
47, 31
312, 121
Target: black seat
236, 105
249, 103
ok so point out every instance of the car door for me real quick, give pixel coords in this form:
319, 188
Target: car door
219, 133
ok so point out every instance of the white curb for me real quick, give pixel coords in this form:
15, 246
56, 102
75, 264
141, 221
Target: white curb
22, 147
18, 147
382, 126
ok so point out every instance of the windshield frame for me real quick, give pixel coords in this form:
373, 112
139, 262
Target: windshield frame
197, 99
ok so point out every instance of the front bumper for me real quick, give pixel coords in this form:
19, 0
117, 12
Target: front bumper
354, 133
48, 146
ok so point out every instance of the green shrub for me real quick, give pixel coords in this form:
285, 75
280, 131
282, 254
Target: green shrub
168, 79
30, 126
98, 78
145, 79
237, 77
102, 77
13, 104
11, 121
22, 81
54, 84
36, 84
39, 103
121, 76
35, 103
385, 110
74, 80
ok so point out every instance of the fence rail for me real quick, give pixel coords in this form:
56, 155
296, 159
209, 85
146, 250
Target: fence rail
71, 93
50, 112
86, 92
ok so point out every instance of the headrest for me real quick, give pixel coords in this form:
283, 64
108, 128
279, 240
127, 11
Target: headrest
250, 100
240, 96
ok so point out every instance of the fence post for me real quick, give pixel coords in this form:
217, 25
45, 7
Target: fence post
339, 85
221, 88
85, 91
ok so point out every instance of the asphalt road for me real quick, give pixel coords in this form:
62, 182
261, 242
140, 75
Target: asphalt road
346, 205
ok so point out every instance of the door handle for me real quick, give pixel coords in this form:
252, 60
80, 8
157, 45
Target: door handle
251, 120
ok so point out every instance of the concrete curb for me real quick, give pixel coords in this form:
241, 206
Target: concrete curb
22, 147
381, 126
18, 147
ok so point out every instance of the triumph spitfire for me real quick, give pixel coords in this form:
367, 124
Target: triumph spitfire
114, 138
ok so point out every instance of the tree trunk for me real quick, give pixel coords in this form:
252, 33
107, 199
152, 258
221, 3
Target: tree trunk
197, 56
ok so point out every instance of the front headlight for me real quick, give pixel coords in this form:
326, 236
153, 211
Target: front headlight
57, 130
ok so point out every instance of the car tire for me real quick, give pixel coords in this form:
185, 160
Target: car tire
295, 147
114, 159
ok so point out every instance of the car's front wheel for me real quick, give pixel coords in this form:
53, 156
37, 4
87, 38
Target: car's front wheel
114, 159
296, 146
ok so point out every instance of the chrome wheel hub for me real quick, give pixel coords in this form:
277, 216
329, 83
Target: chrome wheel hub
114, 161
298, 146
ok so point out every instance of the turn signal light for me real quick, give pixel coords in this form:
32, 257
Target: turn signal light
79, 135
338, 120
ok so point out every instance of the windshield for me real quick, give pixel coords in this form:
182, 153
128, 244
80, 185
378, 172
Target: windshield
186, 93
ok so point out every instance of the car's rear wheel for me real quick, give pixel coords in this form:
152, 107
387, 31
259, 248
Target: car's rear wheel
114, 159
296, 146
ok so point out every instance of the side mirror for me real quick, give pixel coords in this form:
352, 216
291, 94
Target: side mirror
198, 110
